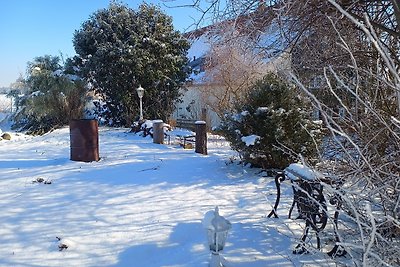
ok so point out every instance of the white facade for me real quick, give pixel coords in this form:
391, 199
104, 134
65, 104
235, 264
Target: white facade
193, 104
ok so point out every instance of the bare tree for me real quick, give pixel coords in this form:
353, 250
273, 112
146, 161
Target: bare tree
231, 67
364, 154
310, 30
365, 144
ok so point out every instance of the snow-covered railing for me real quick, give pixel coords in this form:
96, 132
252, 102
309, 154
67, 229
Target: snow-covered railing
308, 196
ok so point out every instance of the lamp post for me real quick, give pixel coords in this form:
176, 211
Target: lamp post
140, 92
217, 231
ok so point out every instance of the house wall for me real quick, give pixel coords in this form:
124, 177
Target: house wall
193, 103
193, 107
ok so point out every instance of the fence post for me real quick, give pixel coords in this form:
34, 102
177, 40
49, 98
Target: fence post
201, 137
158, 132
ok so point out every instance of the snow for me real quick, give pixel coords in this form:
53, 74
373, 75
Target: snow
245, 113
72, 77
395, 121
251, 139
149, 124
4, 121
5, 103
197, 77
142, 204
262, 110
179, 132
296, 170
36, 93
199, 47
57, 73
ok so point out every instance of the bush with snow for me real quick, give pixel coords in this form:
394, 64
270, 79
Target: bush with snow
272, 128
143, 128
53, 97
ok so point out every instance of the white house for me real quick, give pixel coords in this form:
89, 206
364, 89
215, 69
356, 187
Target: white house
256, 31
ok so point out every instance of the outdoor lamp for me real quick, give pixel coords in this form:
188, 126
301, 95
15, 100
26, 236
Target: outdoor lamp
140, 92
217, 231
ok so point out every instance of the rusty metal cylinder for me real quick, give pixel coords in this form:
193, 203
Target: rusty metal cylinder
201, 137
84, 140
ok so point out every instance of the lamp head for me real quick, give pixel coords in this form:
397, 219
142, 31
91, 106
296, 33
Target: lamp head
140, 91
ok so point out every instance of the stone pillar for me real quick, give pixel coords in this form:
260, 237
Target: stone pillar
201, 137
158, 132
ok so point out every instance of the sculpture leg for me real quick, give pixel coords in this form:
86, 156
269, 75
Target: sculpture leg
337, 250
300, 248
278, 179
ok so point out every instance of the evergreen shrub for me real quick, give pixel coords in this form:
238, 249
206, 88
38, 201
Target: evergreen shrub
272, 127
54, 97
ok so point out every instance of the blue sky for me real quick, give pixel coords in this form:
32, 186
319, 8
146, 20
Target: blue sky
31, 28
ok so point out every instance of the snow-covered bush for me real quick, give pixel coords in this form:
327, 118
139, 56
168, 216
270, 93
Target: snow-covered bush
54, 97
143, 128
272, 128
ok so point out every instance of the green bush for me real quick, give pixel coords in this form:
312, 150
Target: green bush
54, 98
272, 128
43, 111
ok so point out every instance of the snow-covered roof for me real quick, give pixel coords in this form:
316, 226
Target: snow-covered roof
199, 47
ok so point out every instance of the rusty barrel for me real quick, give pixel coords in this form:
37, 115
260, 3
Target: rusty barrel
84, 140
201, 137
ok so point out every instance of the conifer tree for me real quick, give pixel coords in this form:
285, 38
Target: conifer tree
120, 49
53, 98
272, 128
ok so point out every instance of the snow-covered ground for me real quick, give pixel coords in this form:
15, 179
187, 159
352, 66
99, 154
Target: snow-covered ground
140, 205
